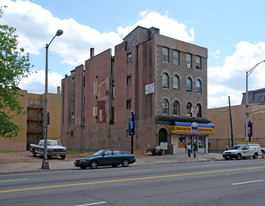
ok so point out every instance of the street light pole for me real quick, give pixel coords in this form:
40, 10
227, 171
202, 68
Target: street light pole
45, 163
247, 113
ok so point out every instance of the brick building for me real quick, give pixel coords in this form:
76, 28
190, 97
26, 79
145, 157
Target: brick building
162, 80
31, 122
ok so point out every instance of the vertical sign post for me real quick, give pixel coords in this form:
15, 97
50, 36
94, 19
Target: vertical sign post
131, 129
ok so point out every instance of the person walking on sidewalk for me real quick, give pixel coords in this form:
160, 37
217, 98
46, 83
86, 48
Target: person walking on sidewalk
189, 149
194, 149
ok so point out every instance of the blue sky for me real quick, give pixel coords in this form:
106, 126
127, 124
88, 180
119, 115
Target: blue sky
233, 31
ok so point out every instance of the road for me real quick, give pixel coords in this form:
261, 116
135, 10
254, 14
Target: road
200, 183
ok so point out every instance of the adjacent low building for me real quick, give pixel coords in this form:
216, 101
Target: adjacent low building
163, 81
31, 122
230, 127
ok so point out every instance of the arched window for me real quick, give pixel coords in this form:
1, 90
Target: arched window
199, 108
188, 84
176, 82
165, 107
198, 86
165, 81
176, 108
188, 109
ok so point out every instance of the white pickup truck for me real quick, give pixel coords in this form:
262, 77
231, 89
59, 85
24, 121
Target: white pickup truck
54, 148
242, 151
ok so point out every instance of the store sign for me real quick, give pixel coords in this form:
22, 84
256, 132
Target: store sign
191, 128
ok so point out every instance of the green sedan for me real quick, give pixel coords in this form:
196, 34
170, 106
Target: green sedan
112, 157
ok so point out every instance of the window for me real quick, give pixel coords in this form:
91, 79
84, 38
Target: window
198, 86
188, 109
165, 81
176, 82
188, 60
73, 80
129, 79
188, 84
117, 152
165, 56
176, 108
108, 153
199, 109
165, 107
73, 115
128, 104
175, 57
198, 62
129, 57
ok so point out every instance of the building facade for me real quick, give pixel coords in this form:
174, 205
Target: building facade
31, 122
163, 81
230, 127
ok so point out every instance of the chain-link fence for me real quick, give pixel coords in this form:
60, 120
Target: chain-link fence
218, 145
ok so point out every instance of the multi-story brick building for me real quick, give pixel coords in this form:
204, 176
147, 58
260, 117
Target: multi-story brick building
31, 122
162, 80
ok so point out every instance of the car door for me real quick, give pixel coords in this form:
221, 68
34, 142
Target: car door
107, 158
117, 157
245, 150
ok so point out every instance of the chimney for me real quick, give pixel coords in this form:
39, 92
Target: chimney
91, 52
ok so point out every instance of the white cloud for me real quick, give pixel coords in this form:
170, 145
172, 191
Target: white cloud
230, 78
168, 26
36, 26
35, 83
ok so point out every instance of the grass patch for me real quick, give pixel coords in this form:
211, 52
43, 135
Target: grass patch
79, 152
13, 151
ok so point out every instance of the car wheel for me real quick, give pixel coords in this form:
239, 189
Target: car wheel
63, 157
255, 156
238, 156
93, 164
125, 163
34, 154
83, 167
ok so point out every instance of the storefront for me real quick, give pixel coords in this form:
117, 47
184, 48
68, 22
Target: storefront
190, 132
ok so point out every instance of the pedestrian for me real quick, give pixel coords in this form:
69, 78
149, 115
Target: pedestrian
194, 149
189, 149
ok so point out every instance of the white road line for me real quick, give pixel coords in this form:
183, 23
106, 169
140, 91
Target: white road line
215, 165
94, 203
138, 171
14, 180
248, 182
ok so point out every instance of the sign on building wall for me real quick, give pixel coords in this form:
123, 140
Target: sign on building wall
150, 88
191, 128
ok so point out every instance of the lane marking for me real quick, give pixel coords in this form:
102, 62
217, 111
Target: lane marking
248, 182
138, 171
132, 179
14, 180
94, 203
215, 165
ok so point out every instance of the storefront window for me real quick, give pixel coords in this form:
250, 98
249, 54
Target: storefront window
181, 142
201, 142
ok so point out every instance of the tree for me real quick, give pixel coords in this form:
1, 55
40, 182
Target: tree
14, 65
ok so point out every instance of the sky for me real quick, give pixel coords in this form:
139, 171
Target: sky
233, 31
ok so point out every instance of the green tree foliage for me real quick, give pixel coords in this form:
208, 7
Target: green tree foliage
14, 65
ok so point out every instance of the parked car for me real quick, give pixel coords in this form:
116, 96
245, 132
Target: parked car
54, 148
112, 157
243, 151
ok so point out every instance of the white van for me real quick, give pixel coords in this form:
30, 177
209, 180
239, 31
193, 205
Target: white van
240, 151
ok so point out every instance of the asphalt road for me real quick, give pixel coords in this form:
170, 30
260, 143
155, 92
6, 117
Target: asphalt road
199, 183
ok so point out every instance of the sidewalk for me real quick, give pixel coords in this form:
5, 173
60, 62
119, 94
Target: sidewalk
35, 166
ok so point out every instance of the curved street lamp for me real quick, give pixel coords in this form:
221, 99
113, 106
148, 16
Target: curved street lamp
45, 163
247, 113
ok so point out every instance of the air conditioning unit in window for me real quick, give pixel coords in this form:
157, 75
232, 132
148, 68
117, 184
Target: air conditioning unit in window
198, 67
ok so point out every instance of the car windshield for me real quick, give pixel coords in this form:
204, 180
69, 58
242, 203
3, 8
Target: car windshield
97, 153
53, 143
235, 147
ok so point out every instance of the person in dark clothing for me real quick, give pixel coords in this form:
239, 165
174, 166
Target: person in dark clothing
194, 149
